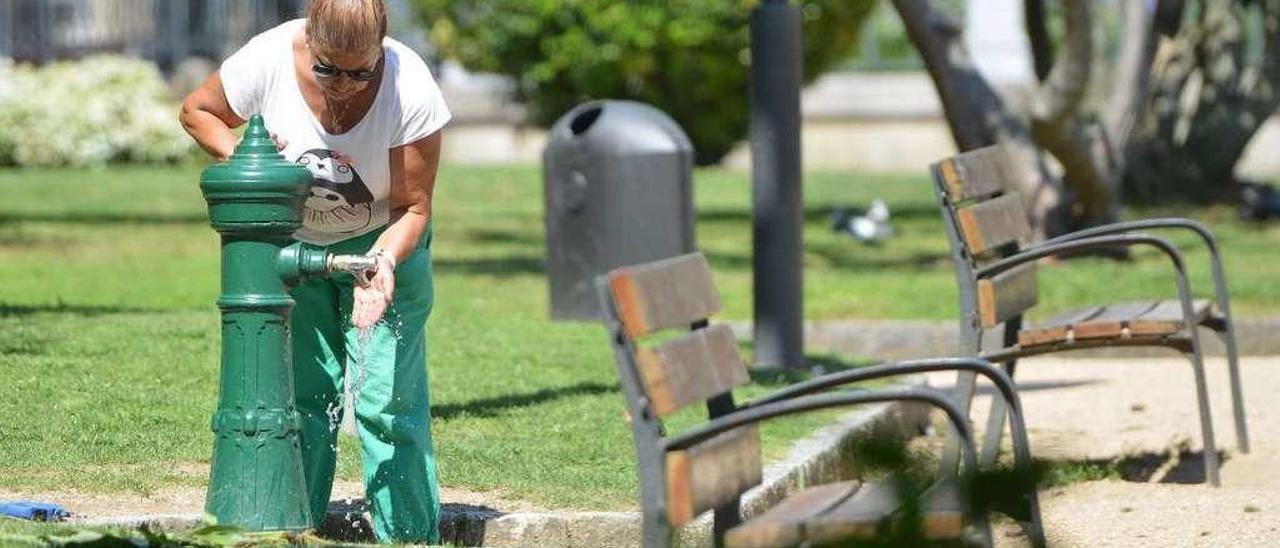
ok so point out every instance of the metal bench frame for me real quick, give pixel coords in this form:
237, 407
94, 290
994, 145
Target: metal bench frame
969, 273
652, 444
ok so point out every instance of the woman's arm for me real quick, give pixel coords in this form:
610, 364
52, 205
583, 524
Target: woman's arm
208, 117
413, 180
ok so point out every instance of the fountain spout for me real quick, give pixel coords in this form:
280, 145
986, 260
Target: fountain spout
351, 264
298, 261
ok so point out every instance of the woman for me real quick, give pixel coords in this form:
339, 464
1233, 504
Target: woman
363, 113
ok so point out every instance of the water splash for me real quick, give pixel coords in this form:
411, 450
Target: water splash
358, 355
359, 365
334, 412
398, 326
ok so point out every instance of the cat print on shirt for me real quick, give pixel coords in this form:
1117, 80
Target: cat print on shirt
339, 201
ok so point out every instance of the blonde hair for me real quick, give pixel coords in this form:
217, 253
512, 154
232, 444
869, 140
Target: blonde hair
356, 26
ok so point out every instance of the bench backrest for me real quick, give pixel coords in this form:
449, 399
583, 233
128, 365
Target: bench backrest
987, 221
697, 365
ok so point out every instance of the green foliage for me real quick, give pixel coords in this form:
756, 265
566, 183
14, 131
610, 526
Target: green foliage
687, 57
15, 532
1066, 472
88, 112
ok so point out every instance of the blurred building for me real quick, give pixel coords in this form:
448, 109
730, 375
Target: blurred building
164, 31
877, 112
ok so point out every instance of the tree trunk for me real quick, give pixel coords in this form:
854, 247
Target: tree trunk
1132, 76
1033, 13
976, 114
1059, 127
1207, 101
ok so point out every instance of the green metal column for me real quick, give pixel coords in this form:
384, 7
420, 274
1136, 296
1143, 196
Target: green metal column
255, 203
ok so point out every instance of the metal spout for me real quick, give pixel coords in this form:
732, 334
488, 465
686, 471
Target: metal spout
351, 264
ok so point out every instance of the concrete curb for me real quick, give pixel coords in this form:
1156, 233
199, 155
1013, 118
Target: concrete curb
819, 458
903, 339
166, 522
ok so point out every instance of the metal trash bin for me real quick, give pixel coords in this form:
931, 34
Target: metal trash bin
618, 190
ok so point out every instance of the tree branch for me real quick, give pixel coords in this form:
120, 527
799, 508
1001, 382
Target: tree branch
1082, 148
1061, 95
1133, 72
1033, 14
963, 93
975, 113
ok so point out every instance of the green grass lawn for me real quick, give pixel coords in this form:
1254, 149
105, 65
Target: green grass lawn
109, 341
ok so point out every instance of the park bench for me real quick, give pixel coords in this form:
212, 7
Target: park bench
988, 229
708, 467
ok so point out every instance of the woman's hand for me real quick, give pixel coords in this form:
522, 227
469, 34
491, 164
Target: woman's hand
413, 173
281, 143
374, 291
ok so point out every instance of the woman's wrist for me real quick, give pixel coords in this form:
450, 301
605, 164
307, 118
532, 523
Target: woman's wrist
384, 254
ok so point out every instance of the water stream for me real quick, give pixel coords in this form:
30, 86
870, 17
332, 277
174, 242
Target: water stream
356, 368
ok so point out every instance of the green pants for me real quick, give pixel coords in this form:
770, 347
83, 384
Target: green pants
392, 406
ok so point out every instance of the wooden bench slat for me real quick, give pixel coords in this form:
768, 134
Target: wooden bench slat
1007, 294
712, 473
664, 294
784, 524
1172, 310
1111, 321
1166, 317
993, 223
1119, 312
1055, 329
1132, 319
691, 369
860, 516
1072, 317
827, 515
1092, 322
974, 174
944, 513
867, 513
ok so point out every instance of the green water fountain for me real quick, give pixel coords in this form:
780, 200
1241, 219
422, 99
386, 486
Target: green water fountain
255, 203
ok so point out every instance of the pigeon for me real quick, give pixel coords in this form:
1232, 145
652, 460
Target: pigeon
870, 228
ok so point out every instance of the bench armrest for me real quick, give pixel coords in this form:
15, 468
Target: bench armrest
804, 404
998, 377
1130, 226
1047, 249
1210, 241
891, 369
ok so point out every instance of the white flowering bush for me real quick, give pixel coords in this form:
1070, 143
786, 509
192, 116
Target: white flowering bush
88, 112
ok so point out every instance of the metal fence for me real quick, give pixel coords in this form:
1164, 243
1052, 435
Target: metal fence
164, 31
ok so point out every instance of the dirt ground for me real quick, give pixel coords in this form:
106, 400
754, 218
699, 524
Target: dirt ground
1144, 409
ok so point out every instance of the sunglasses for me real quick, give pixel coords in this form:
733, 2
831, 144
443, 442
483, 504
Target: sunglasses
324, 70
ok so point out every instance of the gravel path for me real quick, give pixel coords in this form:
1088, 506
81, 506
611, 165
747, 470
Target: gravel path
1103, 409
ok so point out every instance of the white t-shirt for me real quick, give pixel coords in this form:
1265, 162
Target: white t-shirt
347, 199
